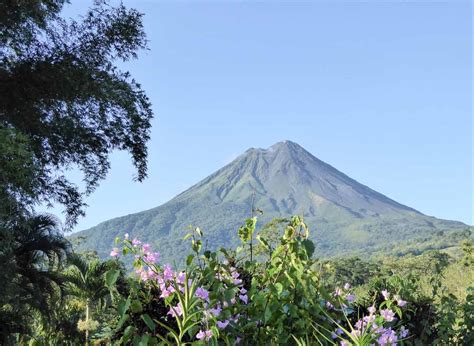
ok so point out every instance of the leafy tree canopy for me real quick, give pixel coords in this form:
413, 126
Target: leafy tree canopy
63, 102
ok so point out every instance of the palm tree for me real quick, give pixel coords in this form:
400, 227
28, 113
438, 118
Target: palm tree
86, 282
32, 253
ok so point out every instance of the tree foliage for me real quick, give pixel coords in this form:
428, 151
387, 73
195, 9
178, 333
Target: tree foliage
60, 89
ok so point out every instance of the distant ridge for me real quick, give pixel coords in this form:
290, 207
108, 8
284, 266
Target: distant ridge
346, 217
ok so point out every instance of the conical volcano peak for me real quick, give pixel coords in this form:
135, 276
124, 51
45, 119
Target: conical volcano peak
281, 180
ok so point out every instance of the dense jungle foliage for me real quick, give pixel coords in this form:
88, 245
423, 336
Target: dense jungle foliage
269, 290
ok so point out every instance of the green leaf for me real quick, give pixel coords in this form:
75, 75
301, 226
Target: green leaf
189, 260
136, 306
123, 306
267, 315
121, 322
309, 246
117, 240
111, 277
149, 322
127, 334
279, 288
144, 340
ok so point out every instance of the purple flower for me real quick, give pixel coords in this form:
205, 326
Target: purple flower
344, 343
167, 272
223, 324
146, 247
244, 298
204, 335
388, 338
372, 309
136, 242
115, 252
152, 257
181, 277
329, 306
401, 303
403, 332
202, 293
350, 297
175, 311
386, 294
355, 333
216, 311
243, 290
369, 319
337, 292
387, 314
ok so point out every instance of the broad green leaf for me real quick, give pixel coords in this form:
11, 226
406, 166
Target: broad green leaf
111, 277
123, 306
149, 322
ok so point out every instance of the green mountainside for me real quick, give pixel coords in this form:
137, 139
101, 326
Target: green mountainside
344, 216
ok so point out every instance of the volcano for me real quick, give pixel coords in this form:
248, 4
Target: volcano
344, 216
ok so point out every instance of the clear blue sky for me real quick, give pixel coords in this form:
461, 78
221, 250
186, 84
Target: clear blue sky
380, 90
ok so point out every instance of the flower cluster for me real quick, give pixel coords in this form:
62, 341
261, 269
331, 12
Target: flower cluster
172, 283
379, 325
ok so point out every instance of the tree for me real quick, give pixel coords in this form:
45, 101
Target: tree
85, 280
62, 94
31, 253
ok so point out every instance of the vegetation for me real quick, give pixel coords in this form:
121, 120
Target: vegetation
64, 105
281, 296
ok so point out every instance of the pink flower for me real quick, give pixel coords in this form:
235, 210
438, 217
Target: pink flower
344, 343
244, 298
146, 247
386, 294
372, 309
115, 252
202, 293
223, 324
165, 293
136, 242
337, 292
204, 335
388, 315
